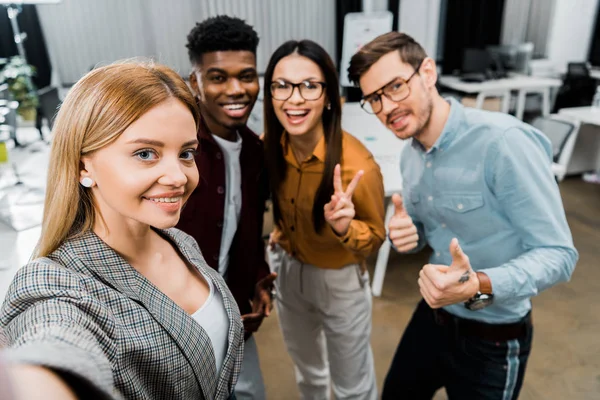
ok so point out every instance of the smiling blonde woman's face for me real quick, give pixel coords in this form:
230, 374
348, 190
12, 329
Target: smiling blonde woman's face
146, 175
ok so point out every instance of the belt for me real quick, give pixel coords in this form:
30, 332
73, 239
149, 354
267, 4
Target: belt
482, 330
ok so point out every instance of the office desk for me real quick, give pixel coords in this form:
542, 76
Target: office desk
522, 84
386, 149
585, 115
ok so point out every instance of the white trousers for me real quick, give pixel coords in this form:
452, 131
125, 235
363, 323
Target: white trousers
325, 317
250, 385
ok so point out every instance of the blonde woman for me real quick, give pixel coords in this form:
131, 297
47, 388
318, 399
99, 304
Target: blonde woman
117, 302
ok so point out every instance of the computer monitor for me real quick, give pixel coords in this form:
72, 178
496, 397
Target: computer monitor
475, 61
513, 58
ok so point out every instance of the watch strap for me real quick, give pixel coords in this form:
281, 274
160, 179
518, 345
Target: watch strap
485, 284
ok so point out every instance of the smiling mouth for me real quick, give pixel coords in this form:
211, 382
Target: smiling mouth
170, 204
166, 199
297, 116
236, 110
398, 120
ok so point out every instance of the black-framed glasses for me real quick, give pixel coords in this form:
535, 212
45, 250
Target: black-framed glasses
309, 90
395, 90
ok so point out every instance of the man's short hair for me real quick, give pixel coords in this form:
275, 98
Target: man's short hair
220, 33
411, 53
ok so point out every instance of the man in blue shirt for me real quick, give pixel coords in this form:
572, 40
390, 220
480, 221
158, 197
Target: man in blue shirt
478, 188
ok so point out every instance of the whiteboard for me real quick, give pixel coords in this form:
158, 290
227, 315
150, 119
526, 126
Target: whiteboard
360, 29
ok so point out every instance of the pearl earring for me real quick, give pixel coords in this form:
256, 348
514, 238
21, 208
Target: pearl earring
329, 106
86, 182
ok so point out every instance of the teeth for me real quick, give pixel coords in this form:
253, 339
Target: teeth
166, 199
297, 112
398, 119
234, 106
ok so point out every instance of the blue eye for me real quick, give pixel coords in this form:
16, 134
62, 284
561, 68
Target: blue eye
146, 155
189, 155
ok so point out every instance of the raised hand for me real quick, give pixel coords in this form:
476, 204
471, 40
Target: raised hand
339, 212
402, 230
443, 285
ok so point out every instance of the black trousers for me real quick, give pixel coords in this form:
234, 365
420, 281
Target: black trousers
434, 354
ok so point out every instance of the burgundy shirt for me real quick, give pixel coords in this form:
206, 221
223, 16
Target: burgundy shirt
202, 216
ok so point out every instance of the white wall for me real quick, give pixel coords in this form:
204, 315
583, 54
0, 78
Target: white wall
571, 28
418, 18
421, 20
374, 5
83, 33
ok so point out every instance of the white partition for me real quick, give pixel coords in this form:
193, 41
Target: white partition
84, 33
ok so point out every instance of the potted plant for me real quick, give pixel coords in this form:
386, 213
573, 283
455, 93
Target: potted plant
17, 74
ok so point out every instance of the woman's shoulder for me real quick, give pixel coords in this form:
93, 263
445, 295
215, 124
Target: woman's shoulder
45, 276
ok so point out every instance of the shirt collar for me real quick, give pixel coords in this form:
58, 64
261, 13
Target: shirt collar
288, 154
451, 128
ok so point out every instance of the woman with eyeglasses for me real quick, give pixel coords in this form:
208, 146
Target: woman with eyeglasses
328, 206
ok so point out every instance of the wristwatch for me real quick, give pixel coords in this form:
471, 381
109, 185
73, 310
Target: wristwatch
484, 297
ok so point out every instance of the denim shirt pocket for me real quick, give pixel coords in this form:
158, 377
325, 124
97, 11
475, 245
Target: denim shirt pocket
462, 203
464, 214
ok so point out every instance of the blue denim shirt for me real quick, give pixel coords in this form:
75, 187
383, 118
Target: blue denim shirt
488, 182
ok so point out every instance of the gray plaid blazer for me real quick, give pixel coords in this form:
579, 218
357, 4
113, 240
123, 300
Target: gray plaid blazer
86, 313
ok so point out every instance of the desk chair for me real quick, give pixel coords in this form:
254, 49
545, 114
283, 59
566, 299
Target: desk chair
578, 87
562, 132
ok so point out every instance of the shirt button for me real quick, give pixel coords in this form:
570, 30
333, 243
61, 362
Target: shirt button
430, 198
216, 257
460, 206
428, 164
220, 190
219, 156
292, 201
220, 224
443, 225
292, 228
437, 254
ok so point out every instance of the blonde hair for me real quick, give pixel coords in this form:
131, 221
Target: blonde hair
95, 112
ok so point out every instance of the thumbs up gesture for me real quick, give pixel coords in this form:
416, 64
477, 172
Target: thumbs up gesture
402, 230
443, 285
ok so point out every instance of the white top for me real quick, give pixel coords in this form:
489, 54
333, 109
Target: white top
233, 196
213, 318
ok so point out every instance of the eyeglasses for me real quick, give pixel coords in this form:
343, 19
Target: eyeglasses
396, 90
309, 90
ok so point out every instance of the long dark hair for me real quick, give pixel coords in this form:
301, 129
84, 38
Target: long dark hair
332, 127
